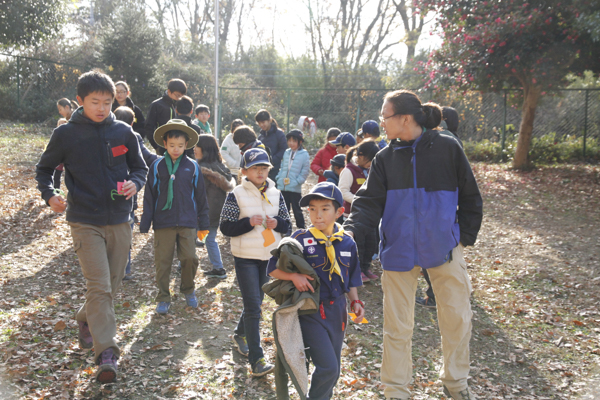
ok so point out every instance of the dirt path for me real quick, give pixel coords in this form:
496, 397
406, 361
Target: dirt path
535, 272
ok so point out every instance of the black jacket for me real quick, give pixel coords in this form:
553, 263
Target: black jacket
96, 156
190, 208
275, 140
161, 111
139, 121
218, 182
426, 197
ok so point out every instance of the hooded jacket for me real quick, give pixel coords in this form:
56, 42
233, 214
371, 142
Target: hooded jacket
426, 197
161, 111
96, 155
139, 122
275, 140
286, 325
218, 182
296, 169
189, 209
322, 160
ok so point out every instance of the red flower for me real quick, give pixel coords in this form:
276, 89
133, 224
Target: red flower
502, 44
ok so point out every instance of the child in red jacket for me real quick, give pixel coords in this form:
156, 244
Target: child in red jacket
320, 163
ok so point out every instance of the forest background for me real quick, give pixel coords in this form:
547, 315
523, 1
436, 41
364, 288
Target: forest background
330, 60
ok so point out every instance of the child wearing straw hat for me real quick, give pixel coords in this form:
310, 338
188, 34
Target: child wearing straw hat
175, 204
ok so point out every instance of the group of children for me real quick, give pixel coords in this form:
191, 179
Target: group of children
187, 199
190, 194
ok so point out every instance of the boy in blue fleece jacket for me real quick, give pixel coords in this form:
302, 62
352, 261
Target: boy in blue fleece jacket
103, 170
175, 203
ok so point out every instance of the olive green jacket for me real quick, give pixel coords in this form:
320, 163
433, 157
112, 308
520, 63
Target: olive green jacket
291, 359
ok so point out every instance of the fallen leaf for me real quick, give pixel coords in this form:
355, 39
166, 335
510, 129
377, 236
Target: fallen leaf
60, 325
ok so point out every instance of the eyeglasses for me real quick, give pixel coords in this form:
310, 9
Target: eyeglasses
121, 91
382, 118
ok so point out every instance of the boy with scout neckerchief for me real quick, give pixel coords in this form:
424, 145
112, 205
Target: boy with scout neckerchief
332, 255
176, 206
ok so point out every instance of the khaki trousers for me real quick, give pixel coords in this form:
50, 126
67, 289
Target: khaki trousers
103, 252
164, 246
452, 288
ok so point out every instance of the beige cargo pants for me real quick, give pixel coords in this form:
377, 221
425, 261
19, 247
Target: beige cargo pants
452, 288
103, 252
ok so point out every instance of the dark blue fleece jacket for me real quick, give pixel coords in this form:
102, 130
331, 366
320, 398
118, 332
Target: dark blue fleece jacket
190, 207
96, 156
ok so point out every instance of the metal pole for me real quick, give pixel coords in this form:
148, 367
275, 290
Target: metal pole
220, 120
502, 155
18, 81
587, 92
357, 114
287, 127
216, 105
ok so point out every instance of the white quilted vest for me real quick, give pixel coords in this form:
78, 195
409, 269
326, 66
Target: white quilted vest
250, 245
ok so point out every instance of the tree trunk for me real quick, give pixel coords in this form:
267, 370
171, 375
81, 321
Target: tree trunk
531, 97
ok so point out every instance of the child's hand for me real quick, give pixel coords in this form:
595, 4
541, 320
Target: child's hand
359, 311
301, 282
129, 189
57, 204
320, 172
271, 223
256, 220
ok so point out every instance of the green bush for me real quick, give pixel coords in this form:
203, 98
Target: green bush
546, 149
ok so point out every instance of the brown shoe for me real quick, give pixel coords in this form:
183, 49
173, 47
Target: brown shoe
464, 394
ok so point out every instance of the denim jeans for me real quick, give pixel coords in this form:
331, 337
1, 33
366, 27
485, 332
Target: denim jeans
212, 248
251, 275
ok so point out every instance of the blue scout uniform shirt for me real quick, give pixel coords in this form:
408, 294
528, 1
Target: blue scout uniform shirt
316, 255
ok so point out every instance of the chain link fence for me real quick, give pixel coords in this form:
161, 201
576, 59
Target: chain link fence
30, 88
566, 114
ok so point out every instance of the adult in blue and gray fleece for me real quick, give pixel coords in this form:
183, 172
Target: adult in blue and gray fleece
423, 191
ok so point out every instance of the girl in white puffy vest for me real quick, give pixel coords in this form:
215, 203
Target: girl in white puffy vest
254, 216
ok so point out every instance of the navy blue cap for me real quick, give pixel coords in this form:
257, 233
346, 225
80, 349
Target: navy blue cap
371, 127
255, 156
344, 139
339, 160
324, 190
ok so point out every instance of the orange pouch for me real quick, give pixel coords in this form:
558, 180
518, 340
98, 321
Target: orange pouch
269, 237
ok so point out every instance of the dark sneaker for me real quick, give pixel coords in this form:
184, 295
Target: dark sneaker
425, 302
216, 273
199, 243
191, 300
241, 344
128, 277
107, 367
85, 336
163, 307
261, 368
464, 394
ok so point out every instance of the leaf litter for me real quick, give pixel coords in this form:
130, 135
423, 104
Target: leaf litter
535, 272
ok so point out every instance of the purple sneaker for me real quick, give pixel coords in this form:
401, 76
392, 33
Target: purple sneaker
85, 336
107, 368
